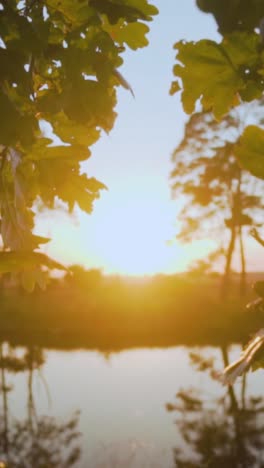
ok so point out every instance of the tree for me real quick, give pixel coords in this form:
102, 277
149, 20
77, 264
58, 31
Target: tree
87, 280
219, 195
59, 66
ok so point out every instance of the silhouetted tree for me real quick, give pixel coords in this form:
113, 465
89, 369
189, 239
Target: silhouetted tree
218, 194
78, 276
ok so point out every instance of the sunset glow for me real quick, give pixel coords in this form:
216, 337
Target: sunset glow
135, 237
129, 236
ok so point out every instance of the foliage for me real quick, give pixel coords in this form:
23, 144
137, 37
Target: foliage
105, 313
59, 67
80, 278
219, 76
230, 15
249, 150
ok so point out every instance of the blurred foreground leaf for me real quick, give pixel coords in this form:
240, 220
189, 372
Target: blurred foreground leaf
219, 75
250, 150
17, 261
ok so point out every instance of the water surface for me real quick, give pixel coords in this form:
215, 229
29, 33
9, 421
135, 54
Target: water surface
122, 400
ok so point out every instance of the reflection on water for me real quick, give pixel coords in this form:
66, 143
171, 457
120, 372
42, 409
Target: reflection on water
219, 431
32, 441
48, 444
124, 417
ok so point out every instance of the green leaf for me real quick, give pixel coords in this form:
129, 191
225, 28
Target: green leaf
242, 48
143, 6
253, 90
132, 34
175, 87
233, 15
207, 76
40, 152
73, 12
81, 190
73, 132
220, 75
130, 10
22, 261
15, 204
40, 240
250, 150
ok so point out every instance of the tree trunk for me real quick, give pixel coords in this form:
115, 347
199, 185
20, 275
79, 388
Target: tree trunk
229, 255
243, 277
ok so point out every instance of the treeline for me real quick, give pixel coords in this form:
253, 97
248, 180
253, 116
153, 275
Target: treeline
87, 309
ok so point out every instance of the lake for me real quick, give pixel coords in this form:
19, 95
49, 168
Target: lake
121, 398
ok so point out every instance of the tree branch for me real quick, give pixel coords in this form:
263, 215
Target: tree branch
254, 233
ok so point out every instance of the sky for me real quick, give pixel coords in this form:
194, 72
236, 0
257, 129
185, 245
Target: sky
129, 229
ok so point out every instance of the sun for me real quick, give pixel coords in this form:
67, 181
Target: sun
125, 237
133, 239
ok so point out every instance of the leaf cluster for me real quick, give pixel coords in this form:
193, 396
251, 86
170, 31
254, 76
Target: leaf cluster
59, 65
230, 15
220, 75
